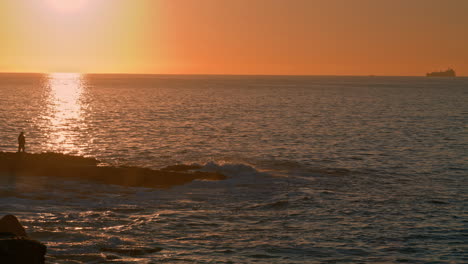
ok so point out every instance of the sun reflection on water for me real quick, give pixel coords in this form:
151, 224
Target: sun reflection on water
66, 112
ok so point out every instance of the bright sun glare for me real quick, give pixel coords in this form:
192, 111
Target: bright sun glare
67, 5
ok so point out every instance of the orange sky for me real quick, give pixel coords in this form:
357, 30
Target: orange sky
317, 37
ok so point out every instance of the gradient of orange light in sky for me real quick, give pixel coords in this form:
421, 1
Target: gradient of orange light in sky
318, 37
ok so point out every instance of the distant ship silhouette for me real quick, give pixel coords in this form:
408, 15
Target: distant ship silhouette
447, 73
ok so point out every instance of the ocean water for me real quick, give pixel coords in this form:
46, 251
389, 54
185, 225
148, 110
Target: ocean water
321, 169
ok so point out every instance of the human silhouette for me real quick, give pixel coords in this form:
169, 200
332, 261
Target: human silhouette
21, 142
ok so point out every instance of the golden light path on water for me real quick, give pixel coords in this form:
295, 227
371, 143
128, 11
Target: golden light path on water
65, 113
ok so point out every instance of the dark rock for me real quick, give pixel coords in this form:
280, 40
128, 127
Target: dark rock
10, 224
19, 250
15, 246
90, 169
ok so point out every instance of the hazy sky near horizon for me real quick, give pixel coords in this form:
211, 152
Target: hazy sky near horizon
317, 37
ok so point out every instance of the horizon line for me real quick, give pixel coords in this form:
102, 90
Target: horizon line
221, 74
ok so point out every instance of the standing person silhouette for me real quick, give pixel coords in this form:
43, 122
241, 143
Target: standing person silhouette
21, 142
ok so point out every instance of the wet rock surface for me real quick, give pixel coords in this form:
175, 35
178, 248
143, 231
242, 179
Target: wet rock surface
90, 169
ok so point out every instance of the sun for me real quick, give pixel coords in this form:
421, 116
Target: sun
67, 5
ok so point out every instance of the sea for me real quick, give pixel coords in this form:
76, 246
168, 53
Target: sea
321, 169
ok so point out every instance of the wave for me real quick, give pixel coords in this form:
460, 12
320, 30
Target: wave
234, 170
237, 174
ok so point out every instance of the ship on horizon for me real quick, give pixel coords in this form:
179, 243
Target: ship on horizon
448, 73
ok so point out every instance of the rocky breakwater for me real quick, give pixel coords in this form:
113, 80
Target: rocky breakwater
90, 169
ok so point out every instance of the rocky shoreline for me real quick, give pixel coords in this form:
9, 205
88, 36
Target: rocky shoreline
90, 169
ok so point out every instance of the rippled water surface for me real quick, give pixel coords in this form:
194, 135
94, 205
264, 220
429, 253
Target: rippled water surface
321, 169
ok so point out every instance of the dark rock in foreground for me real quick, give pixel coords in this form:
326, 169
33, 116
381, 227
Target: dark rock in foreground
67, 166
15, 246
18, 250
